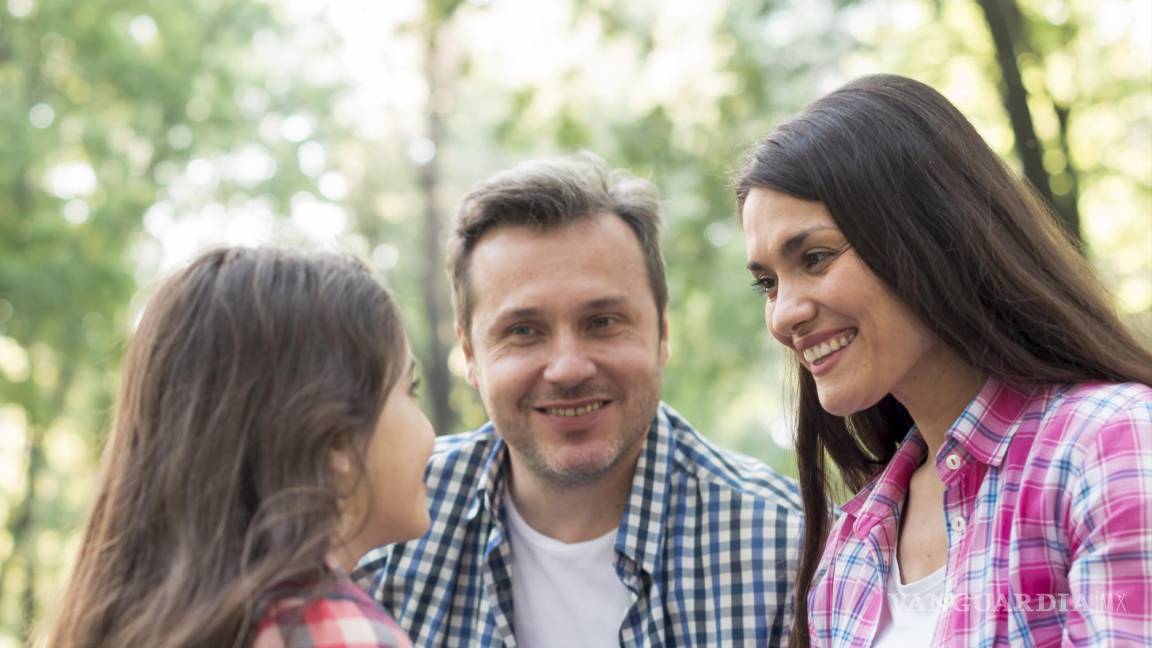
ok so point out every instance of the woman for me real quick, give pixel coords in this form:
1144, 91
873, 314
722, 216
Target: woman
267, 436
964, 372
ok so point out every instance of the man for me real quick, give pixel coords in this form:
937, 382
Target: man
586, 513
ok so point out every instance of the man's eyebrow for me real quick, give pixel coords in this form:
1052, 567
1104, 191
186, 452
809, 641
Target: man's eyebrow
612, 301
516, 313
791, 245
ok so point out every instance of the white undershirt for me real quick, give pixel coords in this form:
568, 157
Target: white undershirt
564, 595
911, 611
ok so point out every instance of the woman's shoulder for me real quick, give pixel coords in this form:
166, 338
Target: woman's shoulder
1087, 425
1086, 407
1116, 395
342, 616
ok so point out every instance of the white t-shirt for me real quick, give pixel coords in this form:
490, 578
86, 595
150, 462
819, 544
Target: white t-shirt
911, 611
564, 595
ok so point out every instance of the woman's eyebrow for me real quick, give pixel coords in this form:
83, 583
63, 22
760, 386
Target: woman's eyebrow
791, 245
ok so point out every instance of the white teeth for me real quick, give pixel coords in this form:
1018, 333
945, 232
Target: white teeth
574, 411
817, 353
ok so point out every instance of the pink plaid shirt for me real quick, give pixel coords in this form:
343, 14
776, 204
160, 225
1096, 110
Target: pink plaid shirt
1048, 503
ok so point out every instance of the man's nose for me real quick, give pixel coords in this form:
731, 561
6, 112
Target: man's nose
569, 362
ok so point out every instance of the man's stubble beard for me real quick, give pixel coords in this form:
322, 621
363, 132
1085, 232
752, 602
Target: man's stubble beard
636, 420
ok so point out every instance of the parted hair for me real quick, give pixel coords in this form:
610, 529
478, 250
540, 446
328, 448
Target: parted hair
958, 238
547, 194
248, 367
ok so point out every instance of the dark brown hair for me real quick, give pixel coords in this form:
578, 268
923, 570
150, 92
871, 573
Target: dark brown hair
546, 194
248, 367
968, 247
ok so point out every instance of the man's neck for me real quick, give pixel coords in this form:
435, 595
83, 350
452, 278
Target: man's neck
572, 512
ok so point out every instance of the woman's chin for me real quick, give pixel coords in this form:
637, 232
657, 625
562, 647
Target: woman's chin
840, 405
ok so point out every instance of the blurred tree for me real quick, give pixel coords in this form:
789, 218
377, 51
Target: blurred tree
1010, 36
438, 71
103, 103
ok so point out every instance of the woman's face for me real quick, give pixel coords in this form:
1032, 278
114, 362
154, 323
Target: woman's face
859, 342
397, 455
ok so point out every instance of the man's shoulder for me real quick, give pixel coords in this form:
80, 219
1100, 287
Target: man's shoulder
695, 457
462, 456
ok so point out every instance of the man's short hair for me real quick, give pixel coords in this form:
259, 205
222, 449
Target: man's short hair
546, 194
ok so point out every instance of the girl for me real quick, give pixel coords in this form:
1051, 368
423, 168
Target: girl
267, 436
961, 367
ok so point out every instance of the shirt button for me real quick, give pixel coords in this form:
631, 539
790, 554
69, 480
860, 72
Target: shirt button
958, 524
952, 461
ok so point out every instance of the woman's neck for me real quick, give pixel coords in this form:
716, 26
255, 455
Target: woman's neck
937, 394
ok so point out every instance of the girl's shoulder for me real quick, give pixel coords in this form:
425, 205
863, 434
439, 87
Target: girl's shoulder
342, 616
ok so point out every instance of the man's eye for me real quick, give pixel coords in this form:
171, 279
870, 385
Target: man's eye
602, 322
521, 330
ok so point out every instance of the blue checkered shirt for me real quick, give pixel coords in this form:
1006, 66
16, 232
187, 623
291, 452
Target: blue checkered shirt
708, 546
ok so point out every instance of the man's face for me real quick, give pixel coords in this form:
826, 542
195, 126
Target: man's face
565, 346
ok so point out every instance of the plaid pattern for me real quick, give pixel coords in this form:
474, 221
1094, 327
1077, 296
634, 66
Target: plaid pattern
343, 618
708, 546
1048, 502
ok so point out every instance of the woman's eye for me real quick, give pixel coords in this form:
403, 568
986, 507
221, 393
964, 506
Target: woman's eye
765, 286
814, 258
414, 388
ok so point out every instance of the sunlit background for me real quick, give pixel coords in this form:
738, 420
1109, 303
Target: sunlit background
137, 133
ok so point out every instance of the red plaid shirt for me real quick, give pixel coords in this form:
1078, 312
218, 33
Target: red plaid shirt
344, 617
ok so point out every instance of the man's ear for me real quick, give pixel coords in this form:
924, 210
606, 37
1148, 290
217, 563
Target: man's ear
665, 343
469, 358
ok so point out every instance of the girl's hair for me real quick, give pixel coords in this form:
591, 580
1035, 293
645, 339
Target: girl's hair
971, 250
248, 367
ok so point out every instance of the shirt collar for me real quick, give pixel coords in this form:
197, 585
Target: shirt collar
493, 477
883, 496
984, 430
641, 535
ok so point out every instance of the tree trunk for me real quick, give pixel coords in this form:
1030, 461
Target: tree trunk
1068, 203
437, 312
1003, 19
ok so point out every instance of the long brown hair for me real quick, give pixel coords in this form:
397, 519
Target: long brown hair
248, 367
968, 247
